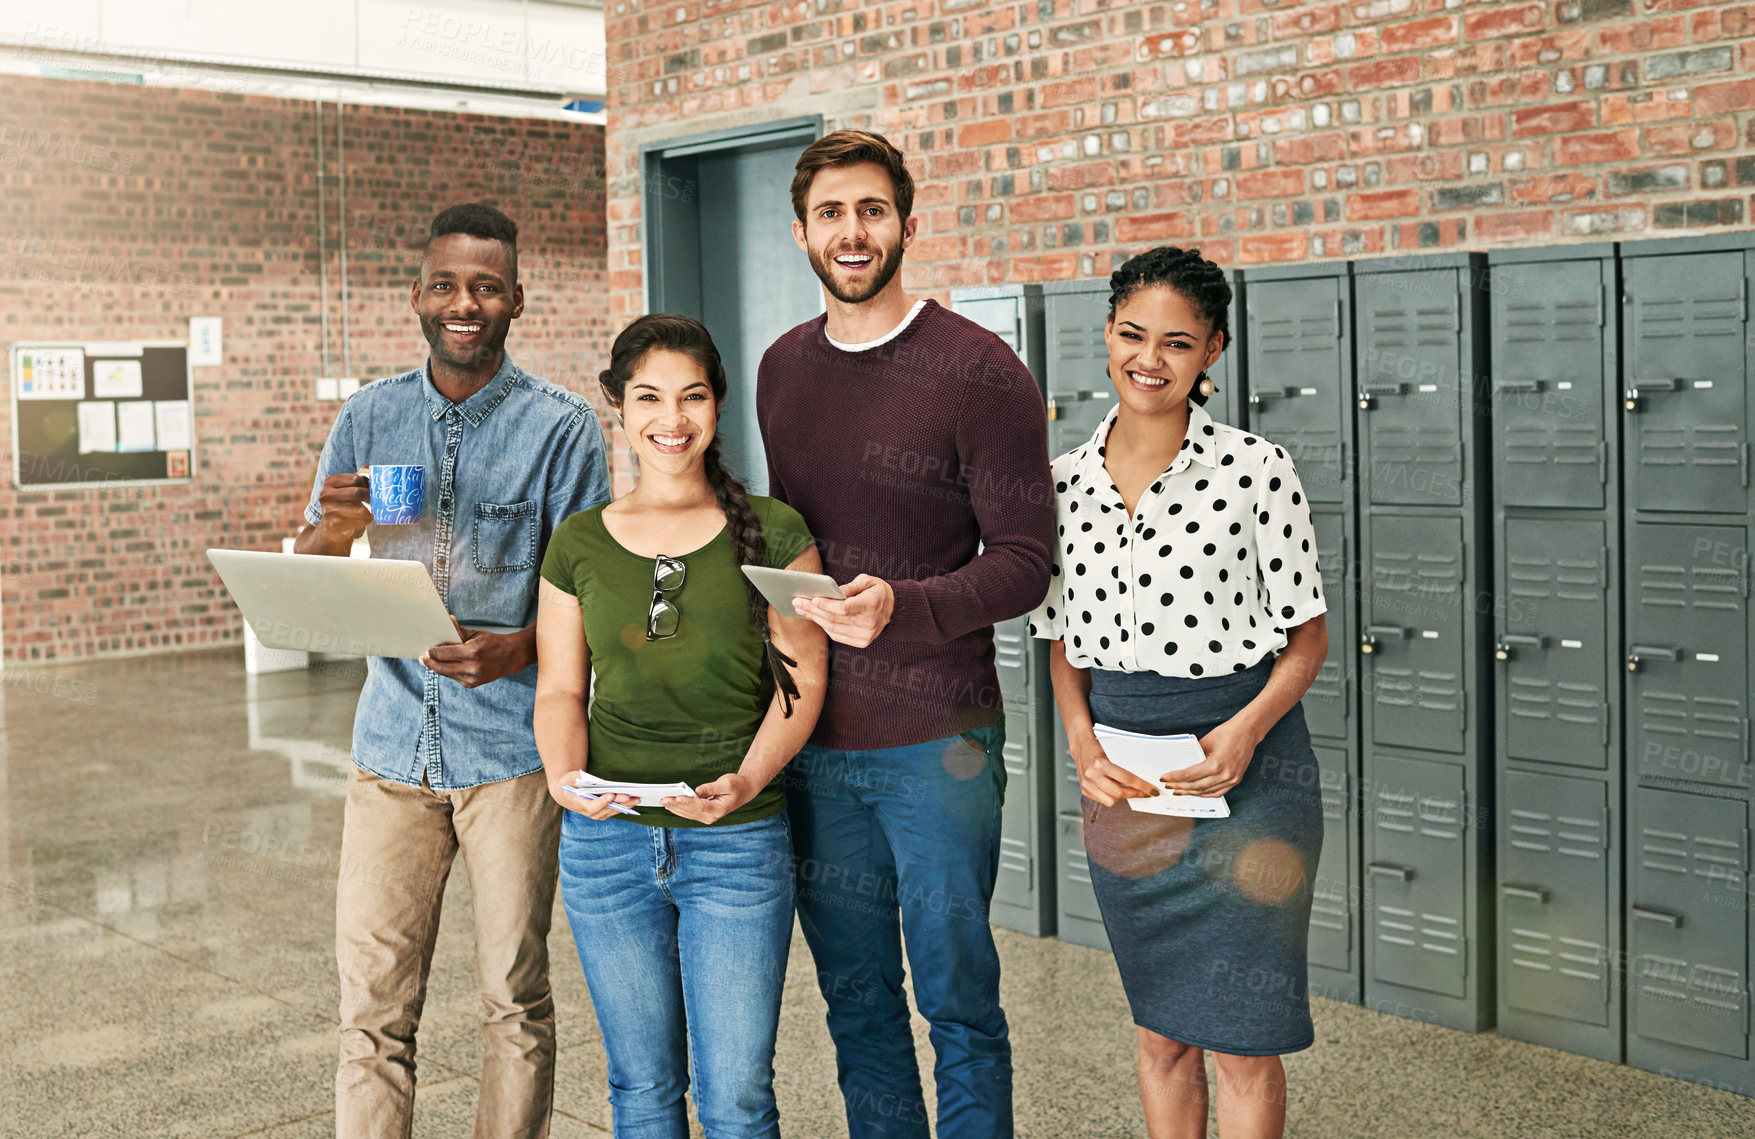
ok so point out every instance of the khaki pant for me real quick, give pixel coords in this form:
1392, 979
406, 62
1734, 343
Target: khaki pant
397, 845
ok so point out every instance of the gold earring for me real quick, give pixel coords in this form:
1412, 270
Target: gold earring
1207, 387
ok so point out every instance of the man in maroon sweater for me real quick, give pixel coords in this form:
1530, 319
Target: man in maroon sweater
914, 444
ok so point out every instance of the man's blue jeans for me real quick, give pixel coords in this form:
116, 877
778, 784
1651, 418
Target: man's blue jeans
898, 842
668, 919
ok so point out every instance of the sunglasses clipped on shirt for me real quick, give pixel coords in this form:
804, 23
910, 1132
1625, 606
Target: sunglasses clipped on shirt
663, 618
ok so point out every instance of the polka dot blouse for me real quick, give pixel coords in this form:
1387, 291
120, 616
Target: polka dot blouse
1217, 562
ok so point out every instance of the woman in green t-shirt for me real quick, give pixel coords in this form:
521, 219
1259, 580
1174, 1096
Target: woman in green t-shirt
694, 678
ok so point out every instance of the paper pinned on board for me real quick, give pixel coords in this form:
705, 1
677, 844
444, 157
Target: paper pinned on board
134, 426
171, 417
97, 426
116, 379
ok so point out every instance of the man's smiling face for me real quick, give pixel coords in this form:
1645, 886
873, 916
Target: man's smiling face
467, 298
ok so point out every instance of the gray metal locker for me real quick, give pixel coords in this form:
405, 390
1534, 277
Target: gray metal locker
1556, 610
1555, 878
1553, 372
1081, 922
1414, 387
1328, 702
1552, 612
1335, 949
1687, 381
1688, 937
1300, 372
1299, 350
1413, 625
1023, 895
1685, 418
1421, 890
1426, 682
1688, 654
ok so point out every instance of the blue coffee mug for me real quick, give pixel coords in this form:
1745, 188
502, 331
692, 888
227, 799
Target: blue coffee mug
398, 494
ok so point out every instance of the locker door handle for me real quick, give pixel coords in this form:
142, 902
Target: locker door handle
1283, 393
1674, 921
1521, 385
1533, 893
1643, 388
1368, 642
1386, 870
1368, 393
1509, 641
1637, 654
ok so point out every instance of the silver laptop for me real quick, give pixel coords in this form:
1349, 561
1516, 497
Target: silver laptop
345, 606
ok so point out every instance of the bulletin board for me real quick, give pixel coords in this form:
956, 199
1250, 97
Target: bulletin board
101, 413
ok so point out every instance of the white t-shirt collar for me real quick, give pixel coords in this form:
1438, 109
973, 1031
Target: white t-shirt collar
868, 345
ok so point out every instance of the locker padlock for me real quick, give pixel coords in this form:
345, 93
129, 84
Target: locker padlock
1631, 400
1367, 645
1053, 410
1632, 664
1502, 651
1364, 403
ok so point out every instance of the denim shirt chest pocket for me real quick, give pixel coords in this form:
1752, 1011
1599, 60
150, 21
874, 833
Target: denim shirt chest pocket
505, 538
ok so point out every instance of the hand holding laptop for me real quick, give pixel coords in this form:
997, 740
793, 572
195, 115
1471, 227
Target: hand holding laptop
481, 657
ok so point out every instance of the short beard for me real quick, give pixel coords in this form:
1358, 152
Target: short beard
890, 266
472, 362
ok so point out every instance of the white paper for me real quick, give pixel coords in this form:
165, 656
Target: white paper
204, 342
649, 793
134, 426
115, 379
1150, 758
346, 386
326, 389
171, 417
97, 426
51, 373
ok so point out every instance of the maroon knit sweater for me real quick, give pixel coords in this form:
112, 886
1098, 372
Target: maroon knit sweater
903, 459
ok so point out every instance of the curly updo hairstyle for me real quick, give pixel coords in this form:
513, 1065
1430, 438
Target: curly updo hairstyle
1200, 282
665, 331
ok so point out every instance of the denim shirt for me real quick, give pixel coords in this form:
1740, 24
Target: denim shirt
502, 470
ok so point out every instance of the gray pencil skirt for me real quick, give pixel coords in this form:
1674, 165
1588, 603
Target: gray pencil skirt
1209, 917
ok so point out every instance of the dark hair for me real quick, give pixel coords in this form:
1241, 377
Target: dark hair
847, 148
668, 331
478, 219
1199, 281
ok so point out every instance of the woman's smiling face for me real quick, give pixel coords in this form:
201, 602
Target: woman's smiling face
1159, 344
668, 411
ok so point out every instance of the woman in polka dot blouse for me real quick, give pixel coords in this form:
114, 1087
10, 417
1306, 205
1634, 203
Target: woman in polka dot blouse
1186, 599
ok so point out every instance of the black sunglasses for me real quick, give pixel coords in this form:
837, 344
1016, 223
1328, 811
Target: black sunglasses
662, 619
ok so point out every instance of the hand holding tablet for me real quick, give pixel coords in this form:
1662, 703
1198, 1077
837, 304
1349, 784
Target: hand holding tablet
780, 586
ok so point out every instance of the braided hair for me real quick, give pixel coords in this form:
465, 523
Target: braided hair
1200, 282
676, 333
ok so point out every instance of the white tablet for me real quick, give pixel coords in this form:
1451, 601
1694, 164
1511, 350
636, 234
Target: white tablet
347, 606
780, 586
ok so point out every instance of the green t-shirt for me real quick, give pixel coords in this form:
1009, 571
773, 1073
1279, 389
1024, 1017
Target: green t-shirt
686, 707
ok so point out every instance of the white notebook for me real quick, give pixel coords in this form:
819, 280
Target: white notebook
1150, 757
651, 794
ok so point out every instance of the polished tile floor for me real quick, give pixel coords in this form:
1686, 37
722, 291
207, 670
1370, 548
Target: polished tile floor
168, 830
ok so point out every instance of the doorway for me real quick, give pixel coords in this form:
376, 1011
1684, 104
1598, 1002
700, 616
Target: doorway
718, 241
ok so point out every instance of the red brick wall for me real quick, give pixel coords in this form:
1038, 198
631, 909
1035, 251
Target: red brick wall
1052, 137
126, 210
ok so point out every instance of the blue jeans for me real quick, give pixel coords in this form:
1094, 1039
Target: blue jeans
895, 841
683, 933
